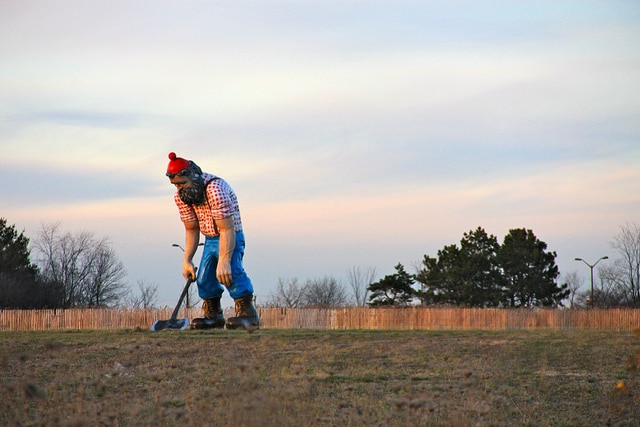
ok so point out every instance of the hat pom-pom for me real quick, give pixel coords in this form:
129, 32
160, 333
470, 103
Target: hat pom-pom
172, 156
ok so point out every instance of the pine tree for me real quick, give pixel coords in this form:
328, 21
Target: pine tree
392, 290
14, 251
530, 271
467, 275
18, 276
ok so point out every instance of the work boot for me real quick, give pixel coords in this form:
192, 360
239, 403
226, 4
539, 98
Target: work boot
213, 315
246, 315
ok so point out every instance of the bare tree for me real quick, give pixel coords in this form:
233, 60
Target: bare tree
359, 281
289, 294
627, 265
60, 261
610, 291
146, 297
86, 268
574, 283
105, 286
324, 293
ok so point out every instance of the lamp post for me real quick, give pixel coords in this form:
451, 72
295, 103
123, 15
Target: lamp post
591, 268
175, 245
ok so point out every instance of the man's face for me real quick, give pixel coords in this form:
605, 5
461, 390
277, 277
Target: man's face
181, 182
191, 191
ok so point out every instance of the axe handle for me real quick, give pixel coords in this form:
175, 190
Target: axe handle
174, 316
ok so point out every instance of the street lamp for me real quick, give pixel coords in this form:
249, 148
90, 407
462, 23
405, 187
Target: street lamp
175, 245
591, 267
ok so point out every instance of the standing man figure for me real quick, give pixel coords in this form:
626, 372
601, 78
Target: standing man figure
208, 205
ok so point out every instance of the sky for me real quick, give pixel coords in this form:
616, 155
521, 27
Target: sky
355, 133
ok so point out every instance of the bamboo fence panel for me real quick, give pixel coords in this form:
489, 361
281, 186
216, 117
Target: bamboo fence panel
409, 318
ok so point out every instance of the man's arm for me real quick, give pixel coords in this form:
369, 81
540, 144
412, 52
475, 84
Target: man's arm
191, 241
227, 232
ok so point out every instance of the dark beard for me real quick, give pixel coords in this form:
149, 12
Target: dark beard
194, 195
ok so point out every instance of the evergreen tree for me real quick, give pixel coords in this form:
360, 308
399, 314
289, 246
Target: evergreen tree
482, 281
392, 290
467, 275
439, 277
14, 252
530, 272
482, 273
20, 284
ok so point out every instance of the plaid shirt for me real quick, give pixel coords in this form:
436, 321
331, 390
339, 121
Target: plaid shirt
221, 202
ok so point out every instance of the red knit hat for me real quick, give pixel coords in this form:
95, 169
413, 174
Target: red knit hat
176, 164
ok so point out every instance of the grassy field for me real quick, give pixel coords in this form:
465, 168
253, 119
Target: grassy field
318, 378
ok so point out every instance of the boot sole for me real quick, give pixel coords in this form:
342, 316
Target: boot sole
199, 323
242, 324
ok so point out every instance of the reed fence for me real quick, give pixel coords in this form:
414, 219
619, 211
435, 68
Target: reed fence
415, 318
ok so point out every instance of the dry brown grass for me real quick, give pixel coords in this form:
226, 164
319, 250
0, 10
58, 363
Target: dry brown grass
317, 378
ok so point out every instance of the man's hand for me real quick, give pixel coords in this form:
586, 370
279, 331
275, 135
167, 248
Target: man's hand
227, 245
188, 270
223, 273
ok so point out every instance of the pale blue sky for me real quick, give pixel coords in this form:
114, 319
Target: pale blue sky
356, 133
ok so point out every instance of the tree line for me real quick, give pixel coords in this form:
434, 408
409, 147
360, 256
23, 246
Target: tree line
81, 270
71, 270
480, 272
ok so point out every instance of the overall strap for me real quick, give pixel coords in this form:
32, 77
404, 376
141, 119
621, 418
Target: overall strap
206, 184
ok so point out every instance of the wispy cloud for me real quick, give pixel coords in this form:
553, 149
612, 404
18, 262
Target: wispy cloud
380, 126
82, 118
